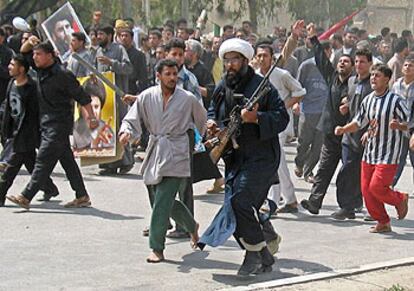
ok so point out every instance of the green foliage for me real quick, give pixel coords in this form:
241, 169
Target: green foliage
395, 288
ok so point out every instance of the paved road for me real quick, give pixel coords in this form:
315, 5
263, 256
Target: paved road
101, 248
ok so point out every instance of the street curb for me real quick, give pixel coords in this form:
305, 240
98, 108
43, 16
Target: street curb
324, 275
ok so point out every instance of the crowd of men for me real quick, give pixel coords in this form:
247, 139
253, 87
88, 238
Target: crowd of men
348, 98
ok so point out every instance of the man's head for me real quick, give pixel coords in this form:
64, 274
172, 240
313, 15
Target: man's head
336, 41
43, 55
235, 54
154, 38
97, 17
401, 47
327, 48
167, 34
363, 62
385, 33
182, 23
96, 89
240, 33
407, 34
18, 66
193, 51
247, 27
167, 74
385, 48
160, 52
216, 44
264, 56
105, 35
380, 77
228, 31
175, 49
350, 39
183, 33
78, 41
127, 37
25, 36
408, 67
345, 65
61, 31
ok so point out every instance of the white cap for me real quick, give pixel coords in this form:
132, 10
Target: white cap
236, 45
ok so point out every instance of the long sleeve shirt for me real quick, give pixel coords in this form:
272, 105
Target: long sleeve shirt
167, 151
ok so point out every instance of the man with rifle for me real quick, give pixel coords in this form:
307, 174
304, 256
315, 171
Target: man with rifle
253, 157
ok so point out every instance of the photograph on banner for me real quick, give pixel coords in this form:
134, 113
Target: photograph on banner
101, 141
59, 28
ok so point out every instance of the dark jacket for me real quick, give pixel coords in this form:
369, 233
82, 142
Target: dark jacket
138, 80
25, 134
259, 144
331, 117
205, 79
57, 89
5, 57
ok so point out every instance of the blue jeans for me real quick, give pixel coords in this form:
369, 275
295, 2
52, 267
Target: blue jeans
403, 158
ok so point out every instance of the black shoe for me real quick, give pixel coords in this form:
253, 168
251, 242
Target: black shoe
309, 206
368, 217
125, 170
107, 172
252, 264
48, 195
343, 214
2, 201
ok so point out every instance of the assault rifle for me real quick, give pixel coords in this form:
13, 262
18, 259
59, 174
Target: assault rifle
220, 143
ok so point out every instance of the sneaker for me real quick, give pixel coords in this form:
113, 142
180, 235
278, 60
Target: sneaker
298, 171
20, 200
402, 208
84, 201
343, 214
289, 208
48, 195
309, 206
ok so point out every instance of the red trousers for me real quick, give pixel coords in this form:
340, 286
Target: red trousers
375, 186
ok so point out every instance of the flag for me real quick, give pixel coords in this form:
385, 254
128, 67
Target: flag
23, 8
334, 28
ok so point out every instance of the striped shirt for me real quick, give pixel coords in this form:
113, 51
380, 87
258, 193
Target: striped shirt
376, 112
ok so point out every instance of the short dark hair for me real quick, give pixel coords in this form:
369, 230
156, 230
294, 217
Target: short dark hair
406, 33
21, 60
247, 22
409, 58
228, 26
175, 43
45, 46
385, 31
181, 21
383, 69
108, 29
400, 45
348, 56
169, 28
155, 32
165, 63
364, 52
264, 45
325, 44
94, 87
79, 36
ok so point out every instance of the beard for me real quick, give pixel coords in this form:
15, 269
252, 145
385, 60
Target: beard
234, 78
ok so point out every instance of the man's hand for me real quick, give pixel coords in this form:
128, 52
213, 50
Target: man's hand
249, 116
104, 60
364, 138
339, 130
296, 109
129, 99
311, 29
211, 128
344, 107
124, 137
298, 28
396, 125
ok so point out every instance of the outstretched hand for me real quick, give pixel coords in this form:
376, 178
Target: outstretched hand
298, 28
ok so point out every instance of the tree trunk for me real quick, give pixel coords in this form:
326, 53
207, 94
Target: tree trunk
253, 13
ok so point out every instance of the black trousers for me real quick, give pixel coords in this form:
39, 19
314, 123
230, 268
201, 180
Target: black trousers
14, 164
54, 148
331, 153
348, 181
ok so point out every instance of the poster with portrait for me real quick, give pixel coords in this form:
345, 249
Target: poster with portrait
101, 141
59, 27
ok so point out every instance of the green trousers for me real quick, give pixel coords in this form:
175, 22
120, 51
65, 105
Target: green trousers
164, 207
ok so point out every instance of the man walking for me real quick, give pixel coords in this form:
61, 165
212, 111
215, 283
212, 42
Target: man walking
57, 88
168, 113
386, 115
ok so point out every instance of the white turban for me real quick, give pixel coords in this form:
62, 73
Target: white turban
236, 45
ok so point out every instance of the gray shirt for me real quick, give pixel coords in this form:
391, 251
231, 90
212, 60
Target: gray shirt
75, 67
168, 152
